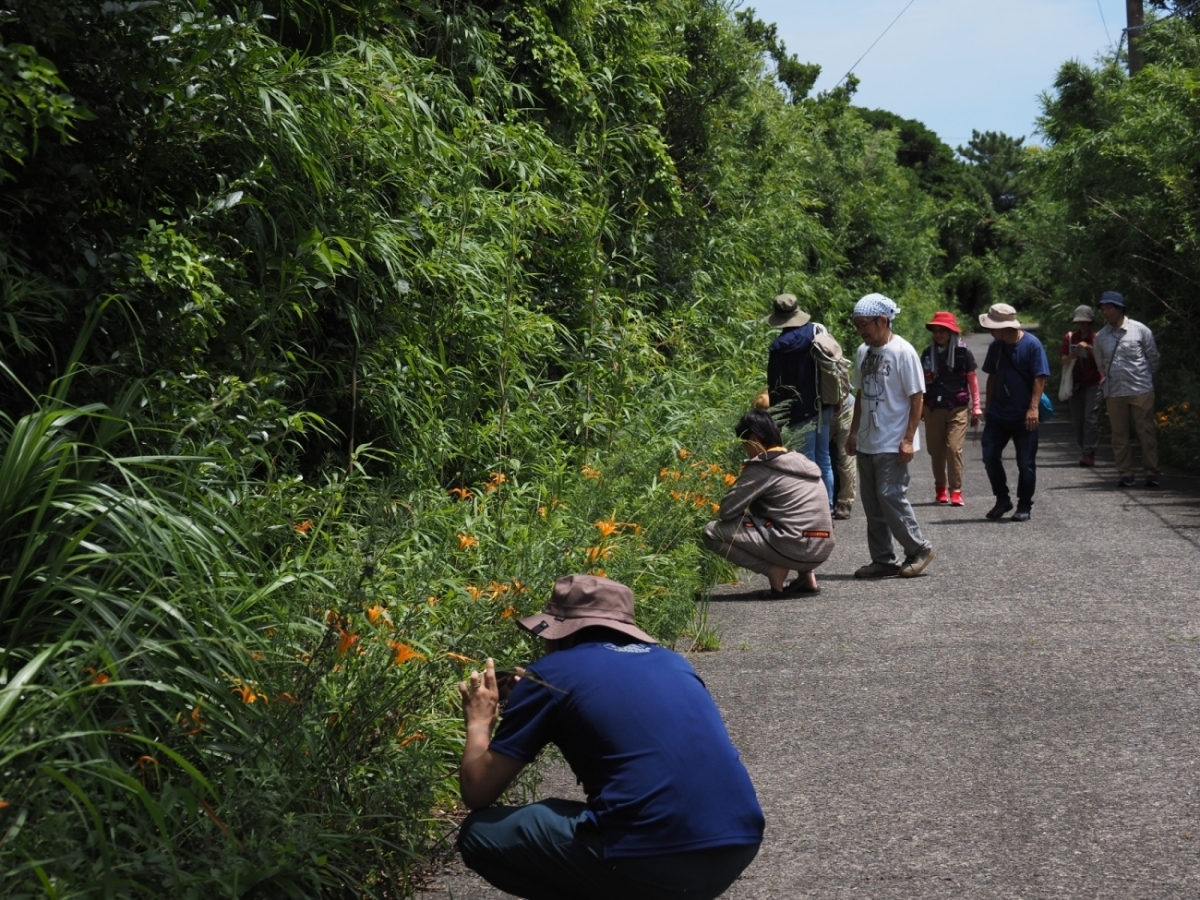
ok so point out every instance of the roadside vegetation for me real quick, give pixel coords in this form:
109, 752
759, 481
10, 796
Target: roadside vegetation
331, 334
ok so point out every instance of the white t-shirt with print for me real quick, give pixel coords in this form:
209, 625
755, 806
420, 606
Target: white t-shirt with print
885, 378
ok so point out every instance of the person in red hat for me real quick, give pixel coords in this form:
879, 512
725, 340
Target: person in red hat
670, 808
951, 403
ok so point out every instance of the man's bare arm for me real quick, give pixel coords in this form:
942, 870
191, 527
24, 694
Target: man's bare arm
484, 775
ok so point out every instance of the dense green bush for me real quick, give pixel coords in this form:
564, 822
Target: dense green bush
333, 334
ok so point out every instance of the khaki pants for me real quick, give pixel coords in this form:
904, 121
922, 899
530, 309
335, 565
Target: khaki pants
1140, 410
847, 472
945, 431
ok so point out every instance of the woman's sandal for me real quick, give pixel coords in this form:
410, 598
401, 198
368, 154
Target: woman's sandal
771, 594
800, 586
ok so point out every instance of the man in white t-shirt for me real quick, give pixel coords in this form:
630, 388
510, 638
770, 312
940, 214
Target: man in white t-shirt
890, 388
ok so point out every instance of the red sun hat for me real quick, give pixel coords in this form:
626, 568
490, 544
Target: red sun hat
944, 320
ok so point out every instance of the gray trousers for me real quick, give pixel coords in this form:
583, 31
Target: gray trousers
1085, 416
883, 491
746, 547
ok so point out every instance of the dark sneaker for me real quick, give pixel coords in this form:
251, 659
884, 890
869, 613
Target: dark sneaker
841, 510
1021, 515
997, 511
1126, 481
877, 570
914, 565
1151, 481
1088, 459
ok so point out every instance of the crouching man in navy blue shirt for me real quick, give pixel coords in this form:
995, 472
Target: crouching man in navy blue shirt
670, 808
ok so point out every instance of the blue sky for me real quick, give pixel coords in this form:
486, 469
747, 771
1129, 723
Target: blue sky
952, 64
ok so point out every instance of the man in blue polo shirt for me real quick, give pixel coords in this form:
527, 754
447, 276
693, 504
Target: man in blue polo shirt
670, 807
1017, 369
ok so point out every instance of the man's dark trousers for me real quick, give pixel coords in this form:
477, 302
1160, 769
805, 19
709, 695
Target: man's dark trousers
996, 435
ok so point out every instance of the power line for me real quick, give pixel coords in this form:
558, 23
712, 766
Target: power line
877, 40
1105, 21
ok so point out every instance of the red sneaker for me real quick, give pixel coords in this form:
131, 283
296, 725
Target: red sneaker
956, 498
943, 495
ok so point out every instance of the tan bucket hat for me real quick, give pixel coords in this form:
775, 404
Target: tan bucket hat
1000, 315
787, 313
578, 601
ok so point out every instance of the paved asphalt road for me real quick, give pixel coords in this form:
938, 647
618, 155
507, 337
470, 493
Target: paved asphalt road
1020, 721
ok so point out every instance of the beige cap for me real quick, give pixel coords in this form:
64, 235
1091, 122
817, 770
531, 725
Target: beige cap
1000, 315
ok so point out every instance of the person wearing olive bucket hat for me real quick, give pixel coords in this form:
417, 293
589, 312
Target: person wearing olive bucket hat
793, 386
1017, 370
670, 809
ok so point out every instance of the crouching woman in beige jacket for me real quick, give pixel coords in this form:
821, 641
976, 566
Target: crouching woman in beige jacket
775, 518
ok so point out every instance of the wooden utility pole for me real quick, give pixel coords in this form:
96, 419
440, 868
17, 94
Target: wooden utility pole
1134, 18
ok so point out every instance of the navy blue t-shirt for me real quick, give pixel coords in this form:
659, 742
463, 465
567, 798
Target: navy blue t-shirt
1014, 368
643, 736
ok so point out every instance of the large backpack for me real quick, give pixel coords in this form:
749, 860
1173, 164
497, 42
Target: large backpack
833, 369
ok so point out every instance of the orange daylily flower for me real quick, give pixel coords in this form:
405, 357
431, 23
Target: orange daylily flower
599, 573
700, 500
143, 761
606, 527
303, 527
285, 697
460, 492
598, 553
375, 613
716, 507
473, 592
98, 677
432, 600
248, 694
4, 804
519, 587
496, 479
466, 542
415, 736
496, 588
684, 453
404, 653
542, 511
589, 472
730, 479
509, 612
347, 640
196, 721
458, 657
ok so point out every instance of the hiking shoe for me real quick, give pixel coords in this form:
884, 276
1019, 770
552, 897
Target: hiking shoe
877, 570
956, 498
914, 565
1151, 481
943, 495
1001, 507
1088, 459
1021, 515
841, 510
1126, 481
